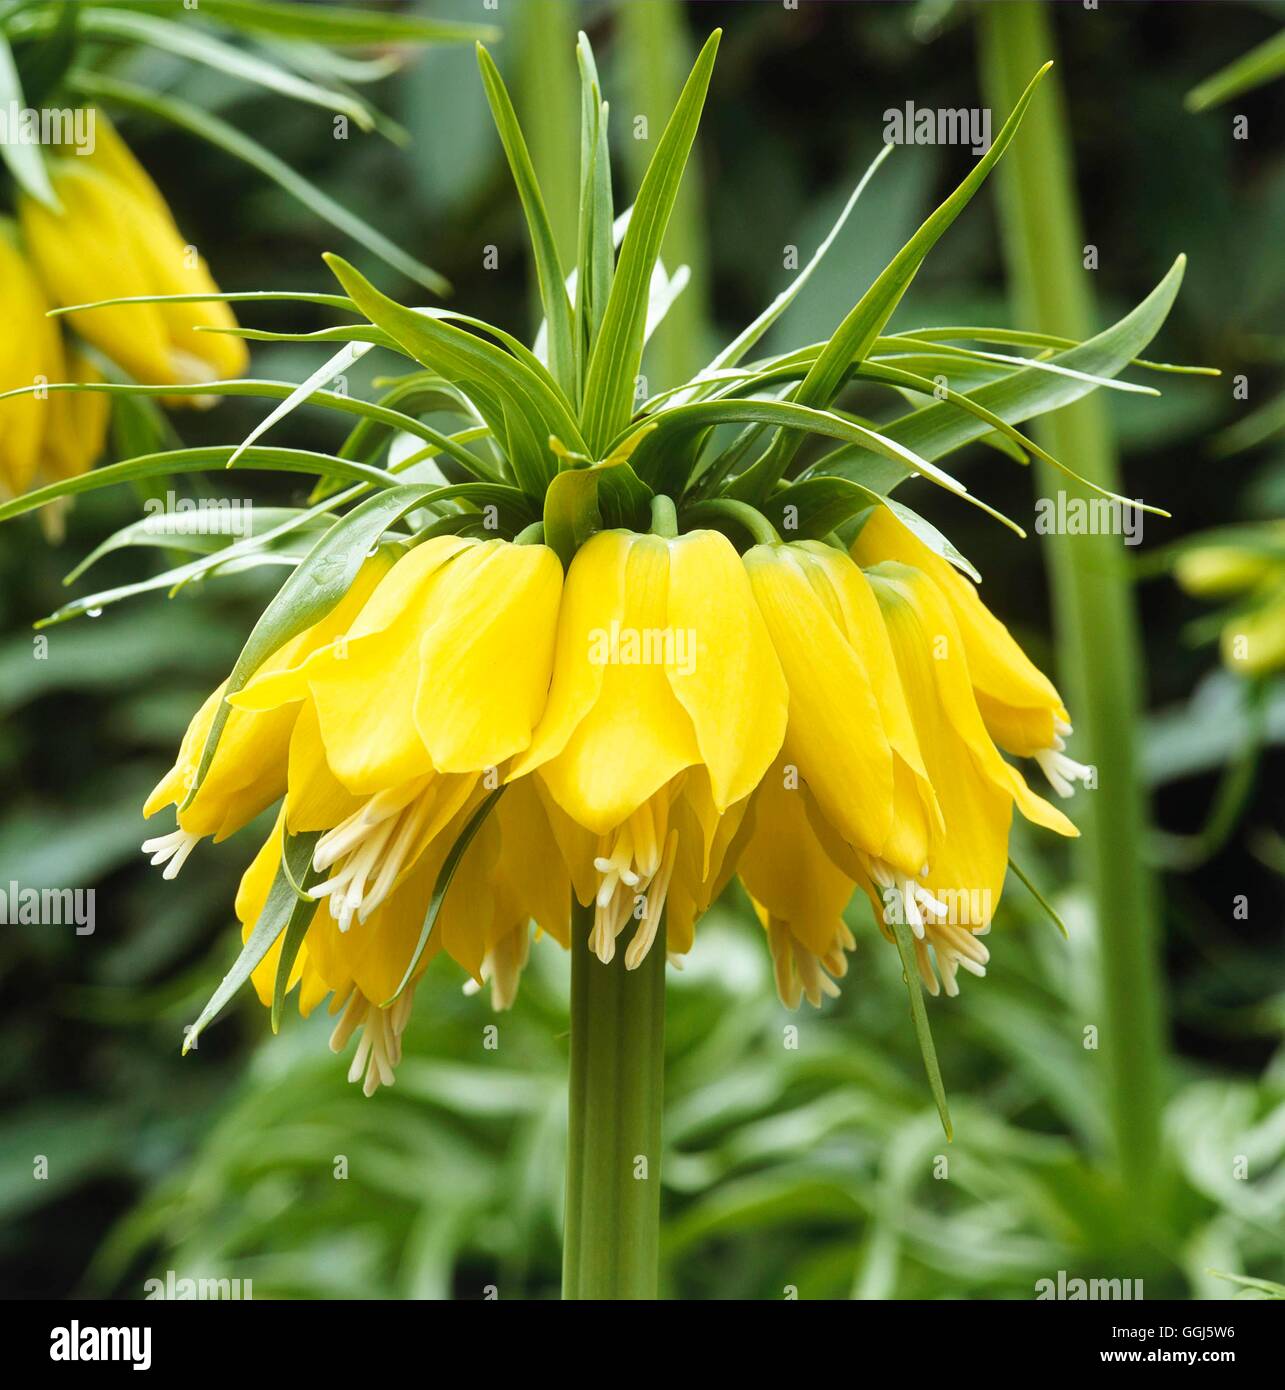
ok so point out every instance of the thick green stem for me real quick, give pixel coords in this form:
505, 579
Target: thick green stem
612, 1237
1100, 660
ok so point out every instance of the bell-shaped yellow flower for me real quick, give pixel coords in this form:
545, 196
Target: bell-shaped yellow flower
662, 666
518, 877
511, 875
798, 891
444, 669
958, 889
30, 354
248, 770
109, 240
850, 735
358, 971
1021, 708
1254, 642
1253, 636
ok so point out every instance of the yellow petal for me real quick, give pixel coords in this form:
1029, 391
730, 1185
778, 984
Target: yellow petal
636, 736
363, 685
997, 666
486, 658
315, 798
835, 734
708, 851
248, 771
532, 882
30, 349
251, 898
593, 598
785, 868
731, 683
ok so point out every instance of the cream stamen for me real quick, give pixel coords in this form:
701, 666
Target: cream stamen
172, 850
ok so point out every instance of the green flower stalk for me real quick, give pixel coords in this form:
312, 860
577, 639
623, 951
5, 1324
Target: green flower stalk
576, 659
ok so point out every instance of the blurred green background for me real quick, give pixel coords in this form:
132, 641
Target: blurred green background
809, 1168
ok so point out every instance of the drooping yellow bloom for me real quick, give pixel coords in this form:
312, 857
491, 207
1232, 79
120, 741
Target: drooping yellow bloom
1019, 704
360, 972
799, 892
113, 236
666, 707
48, 435
388, 731
1252, 571
30, 353
445, 669
512, 875
850, 734
248, 770
959, 886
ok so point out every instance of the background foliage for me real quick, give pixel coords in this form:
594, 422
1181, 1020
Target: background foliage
812, 1167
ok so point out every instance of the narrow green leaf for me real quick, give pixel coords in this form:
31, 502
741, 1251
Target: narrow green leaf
885, 372
373, 413
511, 393
194, 461
1264, 1286
1022, 338
652, 453
910, 974
440, 888
333, 301
200, 46
940, 428
338, 24
1260, 65
173, 531
279, 910
25, 162
617, 354
854, 337
745, 340
597, 253
1039, 898
548, 265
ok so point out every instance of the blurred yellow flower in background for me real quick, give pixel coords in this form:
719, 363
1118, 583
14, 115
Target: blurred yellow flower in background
47, 435
114, 237
1247, 565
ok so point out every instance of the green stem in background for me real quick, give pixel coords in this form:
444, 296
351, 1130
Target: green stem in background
658, 52
1098, 641
547, 88
611, 1243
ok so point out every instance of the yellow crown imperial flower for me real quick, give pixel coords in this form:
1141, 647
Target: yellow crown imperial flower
1246, 564
798, 891
45, 436
959, 886
114, 237
444, 668
248, 770
30, 354
544, 663
662, 665
1023, 712
850, 734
